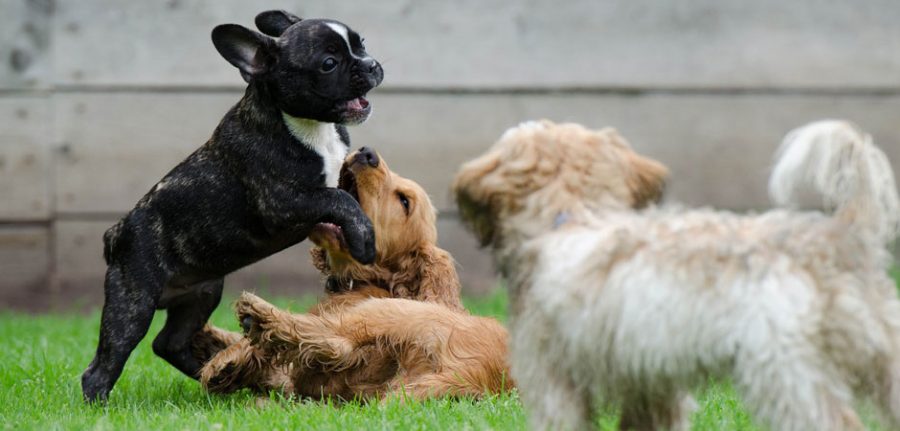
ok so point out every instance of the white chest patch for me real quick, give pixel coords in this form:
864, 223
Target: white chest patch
324, 140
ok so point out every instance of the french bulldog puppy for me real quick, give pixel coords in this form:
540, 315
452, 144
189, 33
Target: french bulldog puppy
264, 179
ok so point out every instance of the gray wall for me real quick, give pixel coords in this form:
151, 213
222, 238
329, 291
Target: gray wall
99, 98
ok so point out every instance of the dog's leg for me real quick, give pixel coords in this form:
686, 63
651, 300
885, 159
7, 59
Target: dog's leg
127, 312
183, 321
555, 402
210, 340
553, 399
238, 366
551, 396
789, 393
303, 339
667, 410
891, 400
434, 385
286, 210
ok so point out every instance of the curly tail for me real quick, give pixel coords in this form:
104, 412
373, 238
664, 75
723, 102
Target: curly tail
833, 166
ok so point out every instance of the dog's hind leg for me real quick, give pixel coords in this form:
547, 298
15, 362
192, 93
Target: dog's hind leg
663, 410
795, 393
302, 338
211, 340
554, 400
433, 385
183, 321
887, 394
127, 312
238, 366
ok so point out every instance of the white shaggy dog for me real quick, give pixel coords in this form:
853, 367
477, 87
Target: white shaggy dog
621, 306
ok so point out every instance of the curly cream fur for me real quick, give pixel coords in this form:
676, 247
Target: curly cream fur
635, 308
827, 164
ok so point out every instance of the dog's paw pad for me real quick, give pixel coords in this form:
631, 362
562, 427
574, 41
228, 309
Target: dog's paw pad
247, 323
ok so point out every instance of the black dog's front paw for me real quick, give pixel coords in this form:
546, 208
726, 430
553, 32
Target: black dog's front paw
95, 385
363, 250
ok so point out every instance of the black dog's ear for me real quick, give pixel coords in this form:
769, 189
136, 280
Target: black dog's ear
245, 49
275, 22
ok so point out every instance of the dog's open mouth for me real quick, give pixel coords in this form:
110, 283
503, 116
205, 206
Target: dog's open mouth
355, 110
328, 236
358, 104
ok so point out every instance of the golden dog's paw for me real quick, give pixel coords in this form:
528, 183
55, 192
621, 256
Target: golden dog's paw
253, 313
234, 368
218, 376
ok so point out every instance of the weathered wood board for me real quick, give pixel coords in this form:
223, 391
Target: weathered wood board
116, 146
25, 267
25, 38
25, 176
509, 44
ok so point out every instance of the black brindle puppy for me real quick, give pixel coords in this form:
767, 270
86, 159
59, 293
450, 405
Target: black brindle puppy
259, 185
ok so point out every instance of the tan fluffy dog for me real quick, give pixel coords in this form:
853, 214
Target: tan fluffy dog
283, 351
634, 308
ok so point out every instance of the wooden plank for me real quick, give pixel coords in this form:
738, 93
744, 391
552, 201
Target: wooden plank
25, 267
113, 148
24, 43
718, 147
24, 158
470, 44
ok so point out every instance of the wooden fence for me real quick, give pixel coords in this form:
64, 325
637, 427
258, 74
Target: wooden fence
99, 98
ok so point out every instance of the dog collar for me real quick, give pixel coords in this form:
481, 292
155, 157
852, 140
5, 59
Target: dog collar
561, 219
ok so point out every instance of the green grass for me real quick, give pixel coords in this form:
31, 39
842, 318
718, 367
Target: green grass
43, 357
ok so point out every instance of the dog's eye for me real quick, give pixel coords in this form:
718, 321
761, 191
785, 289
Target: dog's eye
404, 201
329, 64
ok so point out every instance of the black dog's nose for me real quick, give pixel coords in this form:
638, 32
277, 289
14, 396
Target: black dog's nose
368, 156
369, 64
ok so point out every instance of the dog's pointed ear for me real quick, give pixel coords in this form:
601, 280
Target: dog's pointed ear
275, 22
252, 53
647, 181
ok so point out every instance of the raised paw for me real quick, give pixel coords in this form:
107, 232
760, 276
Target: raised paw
239, 366
252, 311
361, 242
247, 324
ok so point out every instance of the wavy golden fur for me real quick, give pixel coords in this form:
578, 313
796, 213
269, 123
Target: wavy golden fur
416, 339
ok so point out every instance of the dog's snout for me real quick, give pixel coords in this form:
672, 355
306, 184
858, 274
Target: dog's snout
367, 156
369, 64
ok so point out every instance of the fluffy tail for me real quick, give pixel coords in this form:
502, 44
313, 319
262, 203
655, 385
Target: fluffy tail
832, 166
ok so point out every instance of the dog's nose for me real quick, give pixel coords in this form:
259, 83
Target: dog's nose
369, 64
368, 156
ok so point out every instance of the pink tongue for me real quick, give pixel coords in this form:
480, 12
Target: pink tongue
354, 104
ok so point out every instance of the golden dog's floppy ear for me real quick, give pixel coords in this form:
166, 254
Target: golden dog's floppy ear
647, 180
435, 273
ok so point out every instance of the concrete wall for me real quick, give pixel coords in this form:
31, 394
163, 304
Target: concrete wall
99, 98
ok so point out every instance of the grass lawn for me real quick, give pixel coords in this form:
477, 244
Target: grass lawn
43, 357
